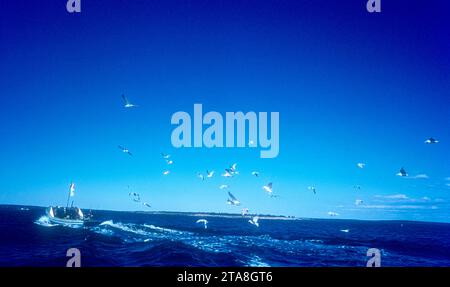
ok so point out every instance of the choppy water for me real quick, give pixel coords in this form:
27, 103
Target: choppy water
134, 239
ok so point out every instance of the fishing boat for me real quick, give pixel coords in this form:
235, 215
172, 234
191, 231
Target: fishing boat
66, 215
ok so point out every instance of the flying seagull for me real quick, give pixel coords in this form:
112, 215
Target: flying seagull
254, 221
165, 156
127, 103
332, 213
244, 211
228, 173
233, 169
358, 187
361, 165
209, 174
233, 200
312, 188
402, 172
268, 188
125, 150
204, 221
224, 186
358, 202
345, 230
135, 196
166, 172
146, 204
431, 141
169, 161
201, 176
255, 173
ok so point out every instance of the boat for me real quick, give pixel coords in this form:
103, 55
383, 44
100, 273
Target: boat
66, 215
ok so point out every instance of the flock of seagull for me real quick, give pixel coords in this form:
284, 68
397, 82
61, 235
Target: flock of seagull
232, 171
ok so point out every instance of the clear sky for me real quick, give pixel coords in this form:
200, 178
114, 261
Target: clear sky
349, 86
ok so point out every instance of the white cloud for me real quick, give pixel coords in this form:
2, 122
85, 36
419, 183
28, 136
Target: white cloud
394, 196
421, 176
395, 206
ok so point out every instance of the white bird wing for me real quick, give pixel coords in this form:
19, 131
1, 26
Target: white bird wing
125, 100
232, 196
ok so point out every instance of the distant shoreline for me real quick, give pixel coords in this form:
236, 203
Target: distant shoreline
237, 215
221, 215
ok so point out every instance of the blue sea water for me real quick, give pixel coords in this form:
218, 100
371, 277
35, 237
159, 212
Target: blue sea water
138, 239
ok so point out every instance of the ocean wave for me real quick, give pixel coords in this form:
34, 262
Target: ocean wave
256, 261
162, 229
45, 221
124, 227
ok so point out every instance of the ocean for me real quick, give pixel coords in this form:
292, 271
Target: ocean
140, 239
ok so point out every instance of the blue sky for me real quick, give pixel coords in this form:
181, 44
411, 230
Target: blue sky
349, 86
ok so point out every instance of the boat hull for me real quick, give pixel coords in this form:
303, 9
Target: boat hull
63, 221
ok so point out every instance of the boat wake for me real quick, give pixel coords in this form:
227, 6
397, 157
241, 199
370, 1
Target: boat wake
45, 221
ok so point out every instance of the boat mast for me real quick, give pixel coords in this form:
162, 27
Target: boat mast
68, 199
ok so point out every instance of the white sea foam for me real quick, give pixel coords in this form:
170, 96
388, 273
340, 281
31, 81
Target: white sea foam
44, 221
124, 227
256, 261
161, 229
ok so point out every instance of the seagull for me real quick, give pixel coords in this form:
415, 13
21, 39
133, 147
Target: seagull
402, 172
201, 176
254, 221
345, 230
209, 174
332, 213
255, 173
357, 187
125, 150
233, 170
251, 143
165, 156
228, 173
358, 202
431, 141
169, 161
166, 172
146, 204
204, 221
136, 196
233, 200
268, 188
244, 211
127, 103
361, 165
312, 188
224, 186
